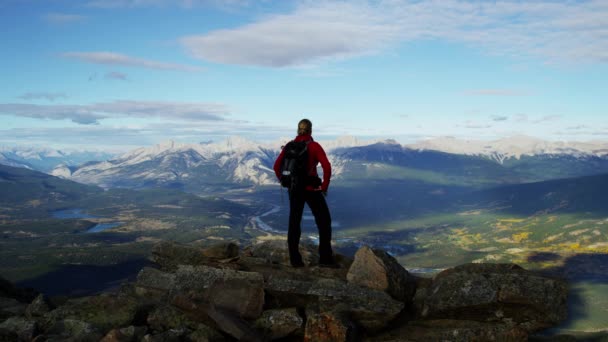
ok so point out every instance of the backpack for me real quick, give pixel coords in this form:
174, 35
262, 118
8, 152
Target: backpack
294, 171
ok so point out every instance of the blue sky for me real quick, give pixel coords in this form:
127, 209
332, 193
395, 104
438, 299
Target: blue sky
124, 73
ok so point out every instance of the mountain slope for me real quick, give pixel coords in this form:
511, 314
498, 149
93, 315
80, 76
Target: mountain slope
587, 194
18, 186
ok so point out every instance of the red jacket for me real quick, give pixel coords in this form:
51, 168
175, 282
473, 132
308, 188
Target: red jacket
316, 155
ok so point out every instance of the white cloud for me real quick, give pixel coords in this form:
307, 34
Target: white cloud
63, 18
42, 96
129, 137
329, 30
91, 114
77, 114
112, 58
570, 31
526, 119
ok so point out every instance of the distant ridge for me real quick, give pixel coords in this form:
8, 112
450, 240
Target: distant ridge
512, 147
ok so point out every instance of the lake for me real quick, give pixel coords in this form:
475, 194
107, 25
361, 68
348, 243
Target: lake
80, 214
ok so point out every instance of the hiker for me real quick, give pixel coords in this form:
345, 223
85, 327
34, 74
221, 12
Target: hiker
305, 186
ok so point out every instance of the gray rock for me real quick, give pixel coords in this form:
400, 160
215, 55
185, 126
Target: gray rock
11, 307
103, 312
74, 330
24, 328
166, 317
173, 335
371, 309
238, 291
499, 293
276, 252
39, 307
378, 270
222, 250
329, 326
127, 334
168, 255
203, 333
454, 331
154, 283
232, 325
279, 323
224, 320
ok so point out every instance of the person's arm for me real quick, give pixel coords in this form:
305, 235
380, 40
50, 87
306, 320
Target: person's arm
277, 164
326, 166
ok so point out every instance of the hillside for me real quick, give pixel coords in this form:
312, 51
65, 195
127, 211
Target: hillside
21, 186
564, 196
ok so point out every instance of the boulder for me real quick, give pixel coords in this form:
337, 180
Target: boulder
453, 331
166, 317
496, 293
22, 327
103, 312
127, 334
75, 330
11, 307
173, 335
223, 250
279, 323
39, 307
276, 252
237, 291
168, 255
371, 309
224, 320
329, 326
154, 283
376, 269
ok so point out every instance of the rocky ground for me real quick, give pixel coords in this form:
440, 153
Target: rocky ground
227, 293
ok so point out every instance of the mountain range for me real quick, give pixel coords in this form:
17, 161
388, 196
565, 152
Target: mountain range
46, 159
237, 162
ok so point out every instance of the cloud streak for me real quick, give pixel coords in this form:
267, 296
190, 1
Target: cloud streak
121, 137
63, 18
91, 114
563, 32
43, 96
112, 58
162, 3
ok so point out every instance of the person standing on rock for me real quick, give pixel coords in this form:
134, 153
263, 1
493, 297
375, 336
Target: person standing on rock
305, 187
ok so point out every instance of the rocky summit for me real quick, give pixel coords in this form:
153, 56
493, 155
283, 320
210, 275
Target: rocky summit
228, 293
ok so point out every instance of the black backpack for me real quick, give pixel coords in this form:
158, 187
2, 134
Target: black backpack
294, 171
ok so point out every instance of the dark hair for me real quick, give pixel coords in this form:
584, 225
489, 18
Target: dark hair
308, 125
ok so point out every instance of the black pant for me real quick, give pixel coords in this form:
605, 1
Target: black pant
318, 206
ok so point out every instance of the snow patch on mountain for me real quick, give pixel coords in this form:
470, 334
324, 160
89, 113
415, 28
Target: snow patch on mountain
513, 147
62, 171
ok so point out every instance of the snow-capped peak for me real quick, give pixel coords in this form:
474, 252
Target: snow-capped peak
512, 147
